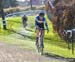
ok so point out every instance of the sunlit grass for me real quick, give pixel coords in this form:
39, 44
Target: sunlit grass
53, 44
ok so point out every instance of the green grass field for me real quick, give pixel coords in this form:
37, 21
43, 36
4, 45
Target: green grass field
53, 44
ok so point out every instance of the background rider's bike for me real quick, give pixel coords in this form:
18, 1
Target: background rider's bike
70, 37
24, 24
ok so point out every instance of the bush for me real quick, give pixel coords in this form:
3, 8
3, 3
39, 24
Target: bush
41, 7
11, 10
33, 8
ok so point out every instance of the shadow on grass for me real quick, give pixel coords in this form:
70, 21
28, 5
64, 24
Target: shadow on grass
57, 41
17, 21
27, 36
73, 60
29, 30
59, 57
5, 32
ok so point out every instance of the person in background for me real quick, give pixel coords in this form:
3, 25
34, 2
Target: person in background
24, 21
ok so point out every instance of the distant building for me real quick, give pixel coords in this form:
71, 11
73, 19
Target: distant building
42, 2
34, 2
38, 2
25, 3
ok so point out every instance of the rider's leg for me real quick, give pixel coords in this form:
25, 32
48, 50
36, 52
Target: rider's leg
37, 36
42, 33
25, 24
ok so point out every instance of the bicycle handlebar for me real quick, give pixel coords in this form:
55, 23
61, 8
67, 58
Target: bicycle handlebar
42, 29
45, 29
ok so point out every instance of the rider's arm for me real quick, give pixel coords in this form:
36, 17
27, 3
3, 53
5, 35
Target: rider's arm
36, 24
46, 24
39, 21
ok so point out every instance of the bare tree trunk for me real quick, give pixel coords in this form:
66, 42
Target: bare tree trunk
31, 3
3, 15
3, 20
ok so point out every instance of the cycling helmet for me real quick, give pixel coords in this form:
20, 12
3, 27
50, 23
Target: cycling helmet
41, 14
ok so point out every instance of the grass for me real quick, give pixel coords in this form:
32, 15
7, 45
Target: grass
53, 44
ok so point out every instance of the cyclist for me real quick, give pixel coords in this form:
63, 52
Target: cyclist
24, 20
40, 21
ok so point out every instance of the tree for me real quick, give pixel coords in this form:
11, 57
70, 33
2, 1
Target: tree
13, 3
9, 3
31, 3
2, 15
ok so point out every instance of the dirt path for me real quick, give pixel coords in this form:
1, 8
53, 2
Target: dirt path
12, 53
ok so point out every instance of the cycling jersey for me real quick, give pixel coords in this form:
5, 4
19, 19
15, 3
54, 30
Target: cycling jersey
40, 25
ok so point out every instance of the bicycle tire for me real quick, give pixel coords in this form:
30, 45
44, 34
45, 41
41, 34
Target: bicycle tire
41, 50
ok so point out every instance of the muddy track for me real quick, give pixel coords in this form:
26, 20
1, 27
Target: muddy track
13, 53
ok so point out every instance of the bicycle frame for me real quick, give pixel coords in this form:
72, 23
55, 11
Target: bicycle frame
41, 37
40, 42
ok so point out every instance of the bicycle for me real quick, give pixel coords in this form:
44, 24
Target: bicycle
25, 25
70, 38
40, 44
73, 39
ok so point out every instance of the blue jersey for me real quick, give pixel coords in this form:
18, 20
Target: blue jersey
40, 25
38, 18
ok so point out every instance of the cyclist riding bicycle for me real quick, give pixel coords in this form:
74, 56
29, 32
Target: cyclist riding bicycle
40, 21
24, 21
